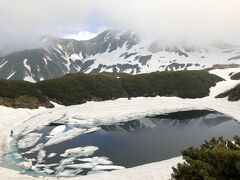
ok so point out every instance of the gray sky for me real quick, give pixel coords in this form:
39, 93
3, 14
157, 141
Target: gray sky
195, 20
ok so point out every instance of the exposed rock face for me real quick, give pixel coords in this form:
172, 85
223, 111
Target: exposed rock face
224, 66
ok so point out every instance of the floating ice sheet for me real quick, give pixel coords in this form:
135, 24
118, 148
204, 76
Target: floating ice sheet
51, 155
80, 151
82, 166
97, 160
61, 137
41, 155
57, 130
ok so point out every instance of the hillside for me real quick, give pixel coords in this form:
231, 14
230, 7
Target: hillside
236, 76
79, 88
233, 94
111, 51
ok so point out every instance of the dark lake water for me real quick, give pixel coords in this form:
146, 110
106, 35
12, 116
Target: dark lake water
147, 140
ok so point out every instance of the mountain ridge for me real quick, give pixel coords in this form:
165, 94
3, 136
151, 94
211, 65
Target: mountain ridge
111, 51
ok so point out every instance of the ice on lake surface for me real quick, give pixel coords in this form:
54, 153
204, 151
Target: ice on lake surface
68, 151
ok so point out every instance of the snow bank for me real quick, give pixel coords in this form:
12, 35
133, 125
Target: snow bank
154, 171
68, 173
107, 167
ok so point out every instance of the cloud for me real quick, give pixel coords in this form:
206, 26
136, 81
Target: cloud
82, 35
22, 21
196, 20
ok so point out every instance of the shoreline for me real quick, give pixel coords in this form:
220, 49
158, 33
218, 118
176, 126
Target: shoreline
116, 111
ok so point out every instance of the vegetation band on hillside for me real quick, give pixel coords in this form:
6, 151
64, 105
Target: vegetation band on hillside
78, 88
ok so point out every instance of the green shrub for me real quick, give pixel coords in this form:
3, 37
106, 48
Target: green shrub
217, 159
236, 76
79, 88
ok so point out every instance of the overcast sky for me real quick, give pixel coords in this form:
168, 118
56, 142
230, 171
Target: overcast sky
196, 20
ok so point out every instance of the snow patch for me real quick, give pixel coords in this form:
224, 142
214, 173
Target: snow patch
9, 77
27, 66
29, 79
3, 64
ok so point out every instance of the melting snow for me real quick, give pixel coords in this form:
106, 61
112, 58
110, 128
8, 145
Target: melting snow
25, 165
112, 112
35, 149
29, 140
17, 156
9, 77
40, 156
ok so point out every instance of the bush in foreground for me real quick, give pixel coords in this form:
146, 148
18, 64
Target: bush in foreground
216, 159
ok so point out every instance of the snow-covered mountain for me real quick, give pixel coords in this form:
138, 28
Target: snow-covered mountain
111, 51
